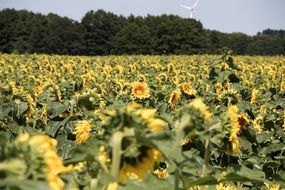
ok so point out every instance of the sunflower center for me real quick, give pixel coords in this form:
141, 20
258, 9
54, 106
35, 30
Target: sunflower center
139, 91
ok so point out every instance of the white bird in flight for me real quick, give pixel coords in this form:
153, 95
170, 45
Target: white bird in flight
191, 8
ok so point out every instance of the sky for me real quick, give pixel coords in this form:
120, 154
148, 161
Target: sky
246, 16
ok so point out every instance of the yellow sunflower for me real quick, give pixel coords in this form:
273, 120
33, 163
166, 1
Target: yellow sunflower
139, 170
202, 107
254, 95
174, 98
257, 123
53, 163
82, 131
161, 173
140, 90
222, 186
235, 128
238, 122
187, 89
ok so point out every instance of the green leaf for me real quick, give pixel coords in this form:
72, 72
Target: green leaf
24, 184
22, 108
207, 180
53, 127
263, 138
150, 182
55, 108
272, 148
83, 151
234, 177
245, 172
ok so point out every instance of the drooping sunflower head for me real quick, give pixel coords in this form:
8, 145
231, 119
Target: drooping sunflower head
162, 77
140, 90
41, 151
258, 123
202, 107
133, 123
254, 95
238, 122
174, 98
175, 79
133, 116
195, 117
82, 131
229, 95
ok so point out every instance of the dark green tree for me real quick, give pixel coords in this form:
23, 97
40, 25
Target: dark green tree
239, 43
133, 39
101, 27
65, 36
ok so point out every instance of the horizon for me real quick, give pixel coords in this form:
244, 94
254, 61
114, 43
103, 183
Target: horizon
220, 15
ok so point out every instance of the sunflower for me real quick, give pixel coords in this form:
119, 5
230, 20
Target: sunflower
275, 186
161, 173
254, 95
137, 159
257, 123
140, 90
82, 131
282, 85
174, 98
149, 115
218, 88
43, 115
53, 164
103, 156
141, 78
238, 122
235, 128
222, 186
202, 107
112, 186
31, 106
138, 170
187, 89
175, 79
154, 123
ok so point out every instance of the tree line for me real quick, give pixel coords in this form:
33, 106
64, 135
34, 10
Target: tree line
103, 33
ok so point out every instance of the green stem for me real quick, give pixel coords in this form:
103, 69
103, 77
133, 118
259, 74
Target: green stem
206, 158
176, 179
116, 153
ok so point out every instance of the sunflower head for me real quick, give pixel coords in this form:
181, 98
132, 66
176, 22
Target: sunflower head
254, 95
229, 95
134, 122
41, 151
174, 98
140, 90
202, 107
188, 89
195, 117
137, 170
82, 131
238, 122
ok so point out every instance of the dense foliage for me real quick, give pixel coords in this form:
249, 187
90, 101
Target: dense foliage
142, 122
104, 33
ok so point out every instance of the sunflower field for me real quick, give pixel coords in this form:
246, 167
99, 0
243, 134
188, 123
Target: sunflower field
142, 122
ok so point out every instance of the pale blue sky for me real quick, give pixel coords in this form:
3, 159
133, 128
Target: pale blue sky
247, 16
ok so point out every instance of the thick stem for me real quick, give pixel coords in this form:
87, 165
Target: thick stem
116, 153
206, 158
176, 179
